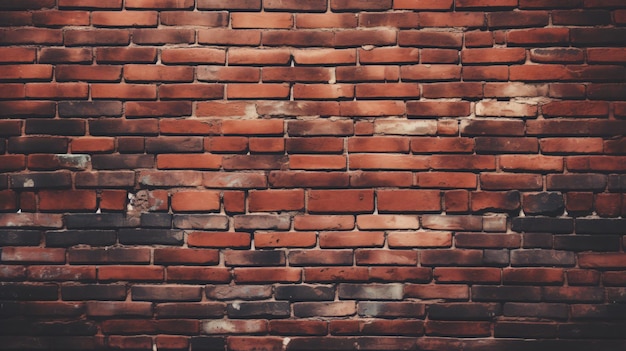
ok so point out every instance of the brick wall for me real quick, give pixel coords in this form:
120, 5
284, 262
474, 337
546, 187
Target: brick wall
312, 175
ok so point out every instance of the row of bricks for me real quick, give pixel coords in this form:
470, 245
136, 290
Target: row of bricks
48, 152
247, 77
312, 5
339, 262
253, 343
338, 38
603, 239
394, 293
339, 57
426, 110
400, 338
282, 20
342, 92
387, 201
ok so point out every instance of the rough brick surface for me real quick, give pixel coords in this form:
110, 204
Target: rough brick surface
312, 175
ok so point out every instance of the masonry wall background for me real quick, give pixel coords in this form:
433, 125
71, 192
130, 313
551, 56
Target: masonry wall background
312, 175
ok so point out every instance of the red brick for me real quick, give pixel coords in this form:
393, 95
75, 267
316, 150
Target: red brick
367, 73
33, 255
483, 162
333, 274
326, 20
467, 275
429, 73
228, 74
257, 91
356, 37
340, 201
378, 144
191, 91
460, 19
26, 72
387, 90
189, 161
159, 4
17, 54
245, 56
113, 200
8, 200
602, 260
538, 36
485, 3
606, 55
582, 277
12, 162
163, 36
296, 6
408, 200
532, 163
436, 109
275, 200
234, 180
437, 291
124, 91
517, 19
571, 145
539, 276
388, 55
198, 274
134, 273
575, 109
456, 201
219, 240
478, 39
608, 205
439, 56
97, 37
351, 239
430, 145
430, 39
195, 201
458, 329
324, 222
142, 73
226, 144
297, 38
274, 275
66, 200
371, 108
381, 179
579, 202
491, 56
366, 257
41, 36
289, 239
348, 5
206, 19
195, 55
324, 56
126, 55
57, 90
189, 126
423, 5
296, 74
124, 19
446, 180
323, 91
496, 181
219, 36
261, 20
231, 5
388, 161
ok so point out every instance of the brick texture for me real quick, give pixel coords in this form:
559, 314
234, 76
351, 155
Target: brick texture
312, 175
